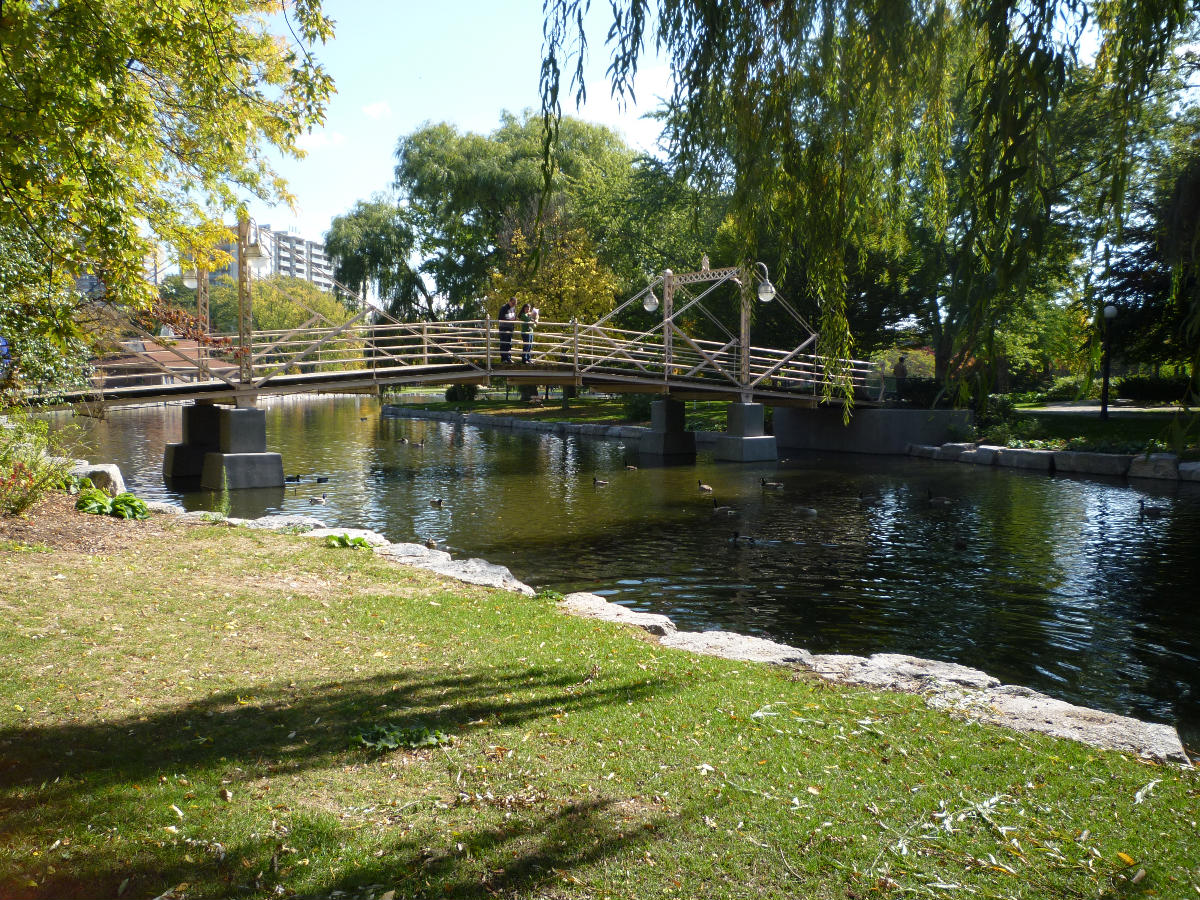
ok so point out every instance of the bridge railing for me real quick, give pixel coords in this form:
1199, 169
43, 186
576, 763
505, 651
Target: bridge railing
325, 352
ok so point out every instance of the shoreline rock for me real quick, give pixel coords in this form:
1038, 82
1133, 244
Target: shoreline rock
960, 690
957, 689
1160, 466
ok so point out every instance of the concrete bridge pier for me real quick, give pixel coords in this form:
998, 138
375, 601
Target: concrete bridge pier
667, 436
745, 438
224, 447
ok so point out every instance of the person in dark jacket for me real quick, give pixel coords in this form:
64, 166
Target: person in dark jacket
508, 316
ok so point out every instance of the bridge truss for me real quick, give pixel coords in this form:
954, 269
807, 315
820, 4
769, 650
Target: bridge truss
360, 355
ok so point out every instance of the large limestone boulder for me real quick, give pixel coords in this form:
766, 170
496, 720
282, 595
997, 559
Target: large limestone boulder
105, 476
979, 456
280, 523
413, 554
728, 645
1155, 465
374, 538
1088, 463
953, 451
1026, 710
593, 606
1020, 458
923, 451
898, 672
480, 571
1189, 471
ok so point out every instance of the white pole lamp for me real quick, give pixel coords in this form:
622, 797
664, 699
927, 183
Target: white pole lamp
766, 290
650, 304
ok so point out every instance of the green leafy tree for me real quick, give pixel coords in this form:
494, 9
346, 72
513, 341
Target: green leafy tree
466, 195
128, 124
372, 247
832, 124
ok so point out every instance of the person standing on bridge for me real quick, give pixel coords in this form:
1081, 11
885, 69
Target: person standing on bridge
529, 317
508, 315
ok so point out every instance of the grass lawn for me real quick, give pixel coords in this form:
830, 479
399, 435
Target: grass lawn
182, 714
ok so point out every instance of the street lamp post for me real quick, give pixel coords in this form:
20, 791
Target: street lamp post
197, 278
1110, 313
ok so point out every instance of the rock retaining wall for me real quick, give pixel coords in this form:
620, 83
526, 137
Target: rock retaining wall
1163, 466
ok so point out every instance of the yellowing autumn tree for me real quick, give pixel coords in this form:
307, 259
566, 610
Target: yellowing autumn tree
126, 124
567, 283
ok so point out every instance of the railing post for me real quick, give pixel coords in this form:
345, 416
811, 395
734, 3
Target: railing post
668, 302
424, 343
575, 345
487, 331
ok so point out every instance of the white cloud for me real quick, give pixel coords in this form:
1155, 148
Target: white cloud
378, 110
319, 140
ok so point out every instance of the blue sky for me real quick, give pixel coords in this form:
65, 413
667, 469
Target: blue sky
399, 65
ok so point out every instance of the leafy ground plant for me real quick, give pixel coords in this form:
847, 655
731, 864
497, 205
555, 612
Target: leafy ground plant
347, 542
401, 737
123, 506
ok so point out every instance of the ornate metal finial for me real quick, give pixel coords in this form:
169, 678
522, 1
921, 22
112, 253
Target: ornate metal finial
704, 263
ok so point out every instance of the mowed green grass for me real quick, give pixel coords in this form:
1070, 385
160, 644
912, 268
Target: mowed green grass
182, 715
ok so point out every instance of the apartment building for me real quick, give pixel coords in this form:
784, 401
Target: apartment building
283, 253
290, 254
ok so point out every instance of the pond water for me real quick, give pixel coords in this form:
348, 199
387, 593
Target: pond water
1050, 582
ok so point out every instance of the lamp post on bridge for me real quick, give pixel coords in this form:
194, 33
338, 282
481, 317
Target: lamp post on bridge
197, 279
1110, 313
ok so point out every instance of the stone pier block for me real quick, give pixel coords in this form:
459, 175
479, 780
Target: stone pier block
184, 460
667, 416
745, 419
680, 443
234, 471
737, 448
242, 431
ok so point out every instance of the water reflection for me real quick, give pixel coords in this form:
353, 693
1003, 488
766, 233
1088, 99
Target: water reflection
1048, 582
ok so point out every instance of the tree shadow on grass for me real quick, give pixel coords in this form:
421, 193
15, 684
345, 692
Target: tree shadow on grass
525, 856
54, 777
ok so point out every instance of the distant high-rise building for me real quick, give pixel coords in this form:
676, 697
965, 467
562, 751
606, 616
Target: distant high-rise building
283, 253
293, 255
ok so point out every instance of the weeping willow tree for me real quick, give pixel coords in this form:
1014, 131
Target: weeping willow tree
832, 123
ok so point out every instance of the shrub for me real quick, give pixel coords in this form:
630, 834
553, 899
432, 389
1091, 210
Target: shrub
998, 409
28, 464
462, 393
1072, 387
637, 406
1153, 388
